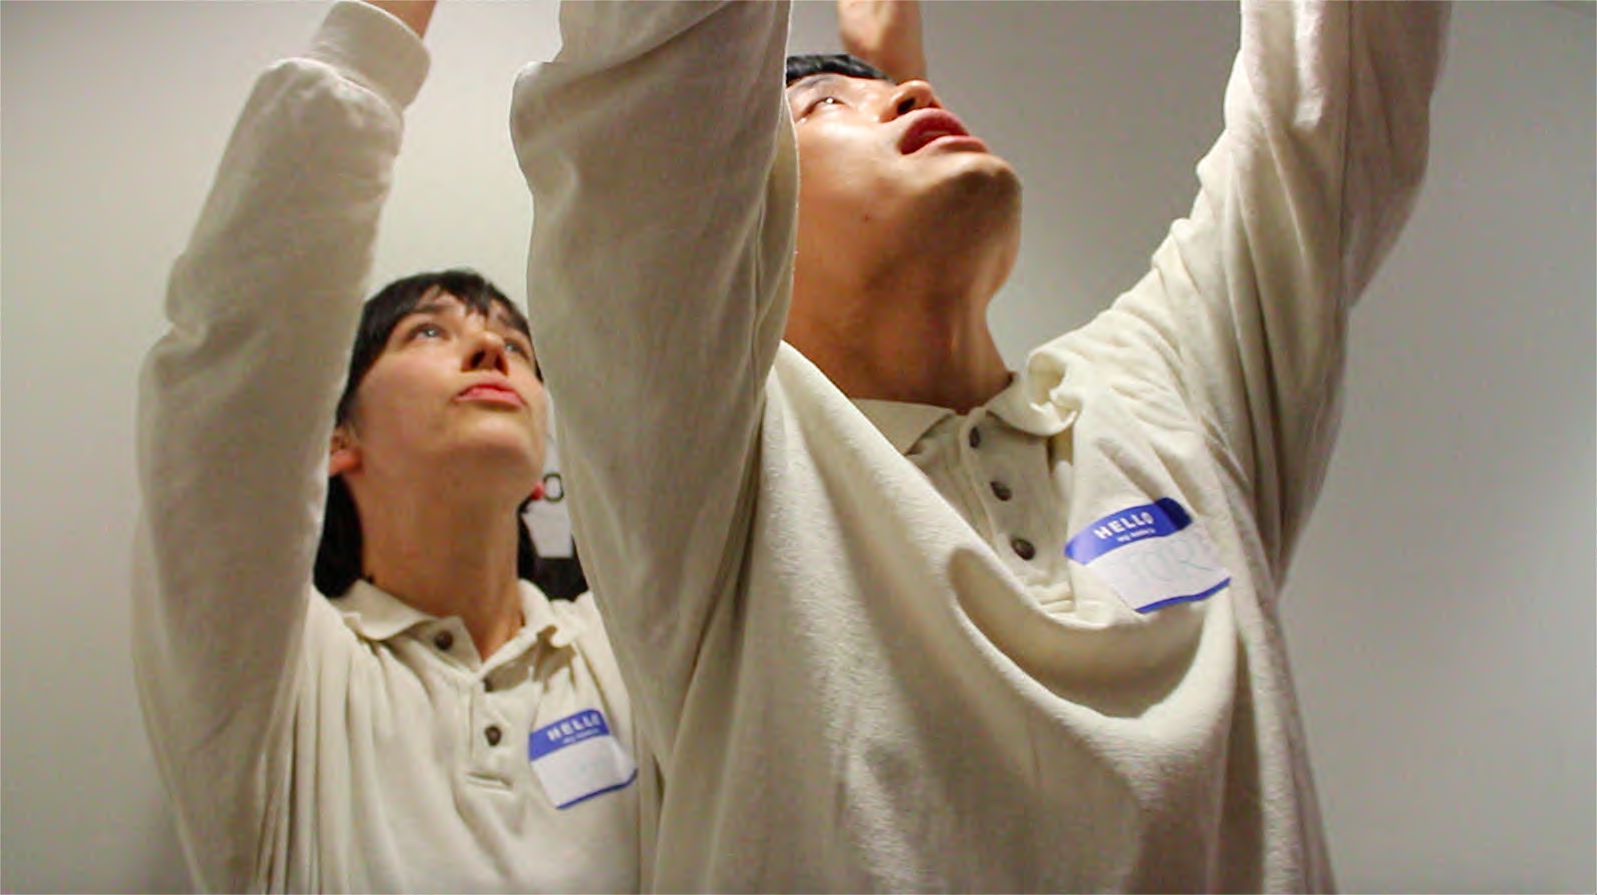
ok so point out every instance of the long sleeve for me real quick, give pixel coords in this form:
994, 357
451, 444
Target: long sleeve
235, 411
1244, 312
660, 156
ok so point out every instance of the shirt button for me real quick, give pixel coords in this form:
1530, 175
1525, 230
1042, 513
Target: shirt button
444, 640
492, 733
1023, 548
1001, 491
975, 437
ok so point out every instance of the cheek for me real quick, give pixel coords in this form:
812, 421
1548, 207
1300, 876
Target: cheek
538, 407
538, 412
392, 399
532, 391
846, 175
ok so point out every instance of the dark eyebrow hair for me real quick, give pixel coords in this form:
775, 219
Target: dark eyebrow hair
816, 81
444, 302
502, 317
436, 305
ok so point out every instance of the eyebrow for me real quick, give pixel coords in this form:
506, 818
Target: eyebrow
498, 314
816, 81
434, 306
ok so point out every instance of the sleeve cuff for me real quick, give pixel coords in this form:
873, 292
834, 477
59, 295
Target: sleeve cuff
374, 49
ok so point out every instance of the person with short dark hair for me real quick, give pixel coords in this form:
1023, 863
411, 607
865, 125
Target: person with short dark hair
339, 560
895, 617
429, 720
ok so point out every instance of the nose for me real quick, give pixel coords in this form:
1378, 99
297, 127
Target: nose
487, 352
907, 97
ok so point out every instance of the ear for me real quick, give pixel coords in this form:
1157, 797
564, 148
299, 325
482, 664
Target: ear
343, 453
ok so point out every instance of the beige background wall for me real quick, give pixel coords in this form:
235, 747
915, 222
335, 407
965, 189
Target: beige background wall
1442, 605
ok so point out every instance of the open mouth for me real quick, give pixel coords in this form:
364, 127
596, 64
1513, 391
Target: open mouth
931, 125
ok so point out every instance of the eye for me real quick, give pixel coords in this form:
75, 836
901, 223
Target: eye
824, 101
426, 331
518, 345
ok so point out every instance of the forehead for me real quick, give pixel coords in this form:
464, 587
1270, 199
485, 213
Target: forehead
441, 303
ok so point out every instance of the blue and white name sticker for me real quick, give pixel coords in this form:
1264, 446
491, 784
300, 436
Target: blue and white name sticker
1152, 555
576, 758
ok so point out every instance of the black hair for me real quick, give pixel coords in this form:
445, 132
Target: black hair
384, 310
806, 64
338, 554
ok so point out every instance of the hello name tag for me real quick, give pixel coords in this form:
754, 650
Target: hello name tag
1151, 555
577, 758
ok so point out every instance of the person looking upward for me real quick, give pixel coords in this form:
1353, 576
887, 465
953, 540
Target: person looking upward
423, 718
895, 616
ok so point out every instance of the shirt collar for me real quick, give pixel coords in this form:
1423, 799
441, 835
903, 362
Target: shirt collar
1026, 404
902, 422
541, 620
376, 614
1030, 402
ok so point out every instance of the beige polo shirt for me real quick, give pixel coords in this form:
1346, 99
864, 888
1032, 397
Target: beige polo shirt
864, 667
354, 744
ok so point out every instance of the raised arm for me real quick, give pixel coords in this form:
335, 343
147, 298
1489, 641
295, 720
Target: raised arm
885, 33
235, 412
659, 153
1244, 313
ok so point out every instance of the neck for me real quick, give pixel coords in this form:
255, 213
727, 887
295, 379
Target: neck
921, 338
445, 558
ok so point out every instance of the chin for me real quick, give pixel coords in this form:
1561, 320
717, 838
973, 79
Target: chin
514, 449
981, 184
974, 202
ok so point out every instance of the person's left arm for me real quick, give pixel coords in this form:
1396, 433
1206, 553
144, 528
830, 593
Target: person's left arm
1244, 313
885, 33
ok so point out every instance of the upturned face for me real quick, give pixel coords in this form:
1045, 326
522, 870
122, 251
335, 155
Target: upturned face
886, 171
452, 389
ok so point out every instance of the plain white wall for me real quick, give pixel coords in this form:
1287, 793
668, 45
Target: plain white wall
1442, 605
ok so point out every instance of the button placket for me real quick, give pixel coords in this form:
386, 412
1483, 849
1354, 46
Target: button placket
967, 463
494, 722
449, 638
1050, 498
492, 755
992, 466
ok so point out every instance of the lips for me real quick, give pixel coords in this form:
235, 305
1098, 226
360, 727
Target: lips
929, 125
491, 393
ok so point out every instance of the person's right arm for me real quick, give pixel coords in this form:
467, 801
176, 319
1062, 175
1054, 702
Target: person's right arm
235, 407
659, 151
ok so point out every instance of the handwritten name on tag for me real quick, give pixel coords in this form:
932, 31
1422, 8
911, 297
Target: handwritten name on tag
1151, 555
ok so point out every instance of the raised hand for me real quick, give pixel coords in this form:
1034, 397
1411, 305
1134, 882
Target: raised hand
415, 13
885, 33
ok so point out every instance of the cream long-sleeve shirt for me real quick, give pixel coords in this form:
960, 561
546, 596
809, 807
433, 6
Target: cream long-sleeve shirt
887, 647
352, 745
